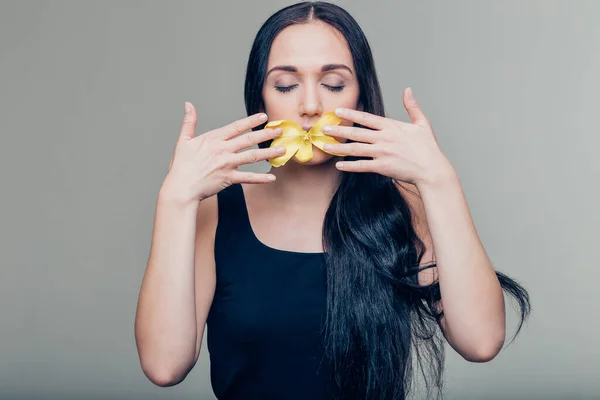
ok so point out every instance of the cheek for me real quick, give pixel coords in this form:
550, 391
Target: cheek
348, 99
277, 106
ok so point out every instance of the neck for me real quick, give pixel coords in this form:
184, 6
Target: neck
305, 185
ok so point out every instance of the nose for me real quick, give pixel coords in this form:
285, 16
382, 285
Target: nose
310, 103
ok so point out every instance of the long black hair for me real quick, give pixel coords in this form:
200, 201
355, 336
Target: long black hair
380, 322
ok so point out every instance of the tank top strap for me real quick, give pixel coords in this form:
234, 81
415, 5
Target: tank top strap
232, 208
233, 224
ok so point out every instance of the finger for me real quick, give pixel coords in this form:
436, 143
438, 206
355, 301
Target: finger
352, 149
352, 132
188, 127
362, 118
417, 116
252, 177
253, 138
358, 166
241, 125
255, 155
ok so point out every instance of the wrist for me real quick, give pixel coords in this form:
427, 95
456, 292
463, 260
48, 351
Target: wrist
175, 196
440, 175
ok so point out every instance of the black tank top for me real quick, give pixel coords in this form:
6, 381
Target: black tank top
264, 328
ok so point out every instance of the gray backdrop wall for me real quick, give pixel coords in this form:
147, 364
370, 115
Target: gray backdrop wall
91, 101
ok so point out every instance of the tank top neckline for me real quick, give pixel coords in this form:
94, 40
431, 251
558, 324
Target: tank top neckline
240, 189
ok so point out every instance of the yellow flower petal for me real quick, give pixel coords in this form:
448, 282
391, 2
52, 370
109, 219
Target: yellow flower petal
319, 141
289, 138
291, 144
298, 142
305, 152
290, 128
326, 119
274, 123
286, 141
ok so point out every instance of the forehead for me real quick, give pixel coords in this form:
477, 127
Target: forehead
309, 45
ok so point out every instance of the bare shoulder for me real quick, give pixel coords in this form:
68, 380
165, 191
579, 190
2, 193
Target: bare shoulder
204, 263
412, 196
207, 219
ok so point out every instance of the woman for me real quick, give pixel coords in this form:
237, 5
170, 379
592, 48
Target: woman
318, 279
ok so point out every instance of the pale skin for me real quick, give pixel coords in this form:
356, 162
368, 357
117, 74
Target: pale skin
180, 278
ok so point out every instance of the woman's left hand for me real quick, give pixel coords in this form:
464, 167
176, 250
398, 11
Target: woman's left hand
403, 151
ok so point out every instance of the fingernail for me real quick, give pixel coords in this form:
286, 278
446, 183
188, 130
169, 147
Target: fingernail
277, 131
281, 150
262, 117
339, 111
327, 128
187, 107
271, 177
409, 93
327, 146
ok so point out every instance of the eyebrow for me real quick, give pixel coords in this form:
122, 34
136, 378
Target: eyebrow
324, 68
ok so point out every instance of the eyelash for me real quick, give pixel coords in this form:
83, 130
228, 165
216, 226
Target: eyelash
285, 89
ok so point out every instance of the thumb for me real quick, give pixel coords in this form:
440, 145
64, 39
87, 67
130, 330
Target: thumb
188, 127
415, 113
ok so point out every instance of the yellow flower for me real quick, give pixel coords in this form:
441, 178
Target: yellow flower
299, 142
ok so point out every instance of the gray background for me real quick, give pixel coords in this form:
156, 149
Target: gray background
91, 101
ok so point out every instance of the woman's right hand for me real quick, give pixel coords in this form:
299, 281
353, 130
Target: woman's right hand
204, 165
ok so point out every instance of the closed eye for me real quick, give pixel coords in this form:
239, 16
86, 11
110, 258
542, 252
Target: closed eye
334, 88
285, 89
